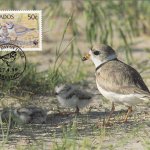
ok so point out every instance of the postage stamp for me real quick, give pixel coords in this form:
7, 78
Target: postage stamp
12, 61
22, 28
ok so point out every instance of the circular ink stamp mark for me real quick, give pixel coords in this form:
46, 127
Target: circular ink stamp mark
12, 61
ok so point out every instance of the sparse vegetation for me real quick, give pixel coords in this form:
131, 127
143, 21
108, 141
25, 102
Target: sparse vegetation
69, 29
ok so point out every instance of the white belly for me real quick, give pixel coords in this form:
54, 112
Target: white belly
12, 32
73, 102
128, 100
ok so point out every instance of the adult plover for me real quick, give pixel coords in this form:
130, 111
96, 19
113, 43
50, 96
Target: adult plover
116, 80
17, 30
72, 96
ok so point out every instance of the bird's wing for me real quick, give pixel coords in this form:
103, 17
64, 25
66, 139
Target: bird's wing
19, 28
121, 78
74, 92
82, 94
35, 110
134, 90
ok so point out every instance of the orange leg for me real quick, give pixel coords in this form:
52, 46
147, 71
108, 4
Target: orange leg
129, 111
77, 110
111, 112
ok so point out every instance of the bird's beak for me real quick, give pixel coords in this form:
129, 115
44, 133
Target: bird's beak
86, 57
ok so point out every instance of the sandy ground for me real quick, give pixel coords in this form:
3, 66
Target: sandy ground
133, 135
89, 124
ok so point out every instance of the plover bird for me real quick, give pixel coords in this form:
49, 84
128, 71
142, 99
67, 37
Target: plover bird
116, 80
72, 96
30, 114
4, 35
24, 115
4, 31
17, 30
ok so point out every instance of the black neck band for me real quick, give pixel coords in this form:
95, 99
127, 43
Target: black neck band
103, 64
11, 27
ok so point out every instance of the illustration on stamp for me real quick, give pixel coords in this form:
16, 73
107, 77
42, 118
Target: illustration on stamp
22, 28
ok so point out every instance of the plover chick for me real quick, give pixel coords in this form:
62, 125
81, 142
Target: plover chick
24, 115
72, 96
116, 80
31, 114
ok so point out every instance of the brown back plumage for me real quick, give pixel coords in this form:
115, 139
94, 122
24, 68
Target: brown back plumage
116, 76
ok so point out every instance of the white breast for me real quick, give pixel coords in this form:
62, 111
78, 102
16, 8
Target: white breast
11, 32
128, 100
73, 102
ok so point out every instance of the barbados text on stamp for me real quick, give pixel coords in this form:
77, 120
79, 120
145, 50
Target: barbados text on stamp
22, 28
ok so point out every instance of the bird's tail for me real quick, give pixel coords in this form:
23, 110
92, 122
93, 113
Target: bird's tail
145, 98
143, 95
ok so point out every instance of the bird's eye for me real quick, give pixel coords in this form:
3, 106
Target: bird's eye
96, 52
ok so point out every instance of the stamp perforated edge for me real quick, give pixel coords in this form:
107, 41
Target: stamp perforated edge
40, 25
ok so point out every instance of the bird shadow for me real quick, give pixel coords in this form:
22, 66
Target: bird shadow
86, 124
